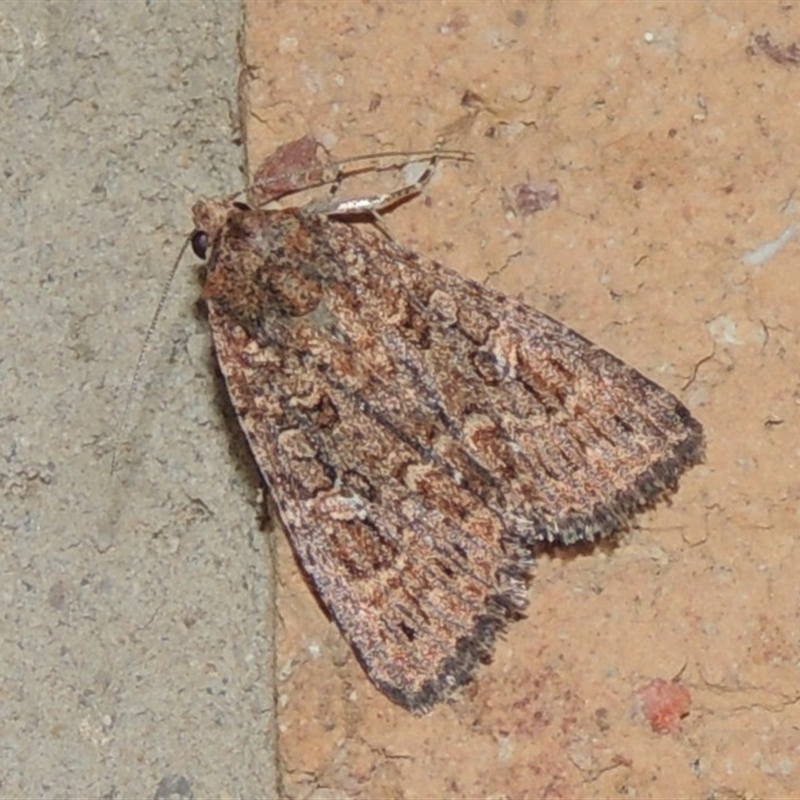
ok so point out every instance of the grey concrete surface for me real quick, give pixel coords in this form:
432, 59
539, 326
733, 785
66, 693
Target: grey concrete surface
136, 634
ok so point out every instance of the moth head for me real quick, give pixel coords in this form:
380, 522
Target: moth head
209, 217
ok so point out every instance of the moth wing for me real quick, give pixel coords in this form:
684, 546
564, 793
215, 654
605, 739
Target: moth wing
558, 436
584, 440
419, 575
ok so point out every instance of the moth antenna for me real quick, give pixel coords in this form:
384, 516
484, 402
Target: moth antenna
143, 352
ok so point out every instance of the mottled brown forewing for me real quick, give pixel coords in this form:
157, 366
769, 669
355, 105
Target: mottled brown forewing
420, 433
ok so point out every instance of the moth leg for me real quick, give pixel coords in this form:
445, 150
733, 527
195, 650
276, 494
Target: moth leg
374, 205
393, 160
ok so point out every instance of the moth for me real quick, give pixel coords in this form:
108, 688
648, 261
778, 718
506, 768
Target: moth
421, 433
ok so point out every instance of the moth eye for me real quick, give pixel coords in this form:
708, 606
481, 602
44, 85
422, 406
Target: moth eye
200, 244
